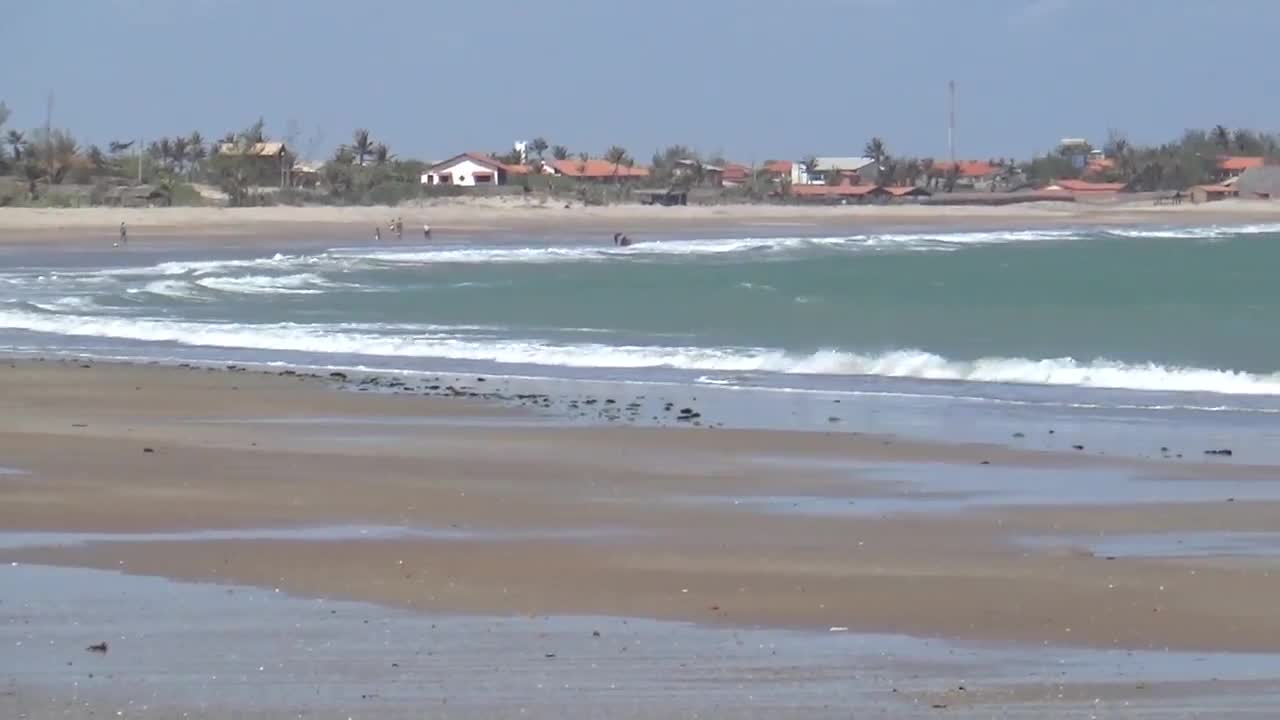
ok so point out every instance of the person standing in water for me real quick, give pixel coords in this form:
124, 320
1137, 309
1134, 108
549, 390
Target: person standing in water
426, 232
377, 233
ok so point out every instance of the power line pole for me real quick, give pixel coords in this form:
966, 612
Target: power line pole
951, 121
139, 161
48, 134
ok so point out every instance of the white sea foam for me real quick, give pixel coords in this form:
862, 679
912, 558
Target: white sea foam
301, 284
1209, 232
178, 289
899, 364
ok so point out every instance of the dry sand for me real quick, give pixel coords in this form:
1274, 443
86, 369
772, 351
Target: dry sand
40, 226
569, 520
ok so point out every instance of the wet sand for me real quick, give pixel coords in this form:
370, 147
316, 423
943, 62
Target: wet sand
205, 651
440, 506
249, 227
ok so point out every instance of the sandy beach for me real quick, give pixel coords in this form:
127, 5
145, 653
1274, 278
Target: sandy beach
248, 226
452, 505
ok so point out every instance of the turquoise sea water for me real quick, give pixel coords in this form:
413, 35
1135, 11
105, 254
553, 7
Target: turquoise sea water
1176, 316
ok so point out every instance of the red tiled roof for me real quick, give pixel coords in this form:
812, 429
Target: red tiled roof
845, 190
779, 167
1086, 186
905, 190
1240, 163
734, 172
1216, 188
968, 168
595, 168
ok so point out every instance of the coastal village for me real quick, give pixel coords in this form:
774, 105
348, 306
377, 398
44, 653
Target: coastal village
48, 167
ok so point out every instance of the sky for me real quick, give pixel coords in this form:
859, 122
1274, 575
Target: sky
748, 79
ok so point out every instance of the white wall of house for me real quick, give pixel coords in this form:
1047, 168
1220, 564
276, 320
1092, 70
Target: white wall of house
462, 174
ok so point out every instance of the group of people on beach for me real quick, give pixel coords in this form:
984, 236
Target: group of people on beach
396, 225
621, 240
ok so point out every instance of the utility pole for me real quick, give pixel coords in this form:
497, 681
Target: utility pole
951, 121
48, 135
139, 161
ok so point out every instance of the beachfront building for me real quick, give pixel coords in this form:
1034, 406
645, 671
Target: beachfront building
1084, 187
470, 170
594, 170
268, 158
696, 172
1230, 166
845, 192
779, 170
976, 175
1259, 183
821, 170
1211, 193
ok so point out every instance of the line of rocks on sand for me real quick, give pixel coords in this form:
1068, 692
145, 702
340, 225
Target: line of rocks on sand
582, 407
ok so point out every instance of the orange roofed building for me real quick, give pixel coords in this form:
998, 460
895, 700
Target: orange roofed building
594, 170
1084, 186
1230, 166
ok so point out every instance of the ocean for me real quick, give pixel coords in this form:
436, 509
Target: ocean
1161, 322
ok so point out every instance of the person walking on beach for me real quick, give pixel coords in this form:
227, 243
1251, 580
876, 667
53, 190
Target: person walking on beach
399, 228
124, 235
426, 232
377, 233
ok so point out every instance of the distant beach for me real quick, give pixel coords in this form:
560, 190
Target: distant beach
238, 226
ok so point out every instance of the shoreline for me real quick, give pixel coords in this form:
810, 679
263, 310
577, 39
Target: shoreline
248, 227
599, 526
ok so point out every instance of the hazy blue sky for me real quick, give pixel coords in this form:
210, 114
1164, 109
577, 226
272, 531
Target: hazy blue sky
752, 78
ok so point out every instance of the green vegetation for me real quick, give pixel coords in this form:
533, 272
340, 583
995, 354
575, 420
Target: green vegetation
49, 167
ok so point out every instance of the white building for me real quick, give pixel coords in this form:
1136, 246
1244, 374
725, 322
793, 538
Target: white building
864, 167
469, 170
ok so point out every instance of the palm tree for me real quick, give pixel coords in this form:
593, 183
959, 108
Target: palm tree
97, 158
617, 155
875, 149
1222, 136
65, 152
16, 140
381, 155
559, 152
178, 151
196, 150
32, 171
810, 165
159, 150
539, 146
361, 145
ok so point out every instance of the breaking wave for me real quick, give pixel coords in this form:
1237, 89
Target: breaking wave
446, 343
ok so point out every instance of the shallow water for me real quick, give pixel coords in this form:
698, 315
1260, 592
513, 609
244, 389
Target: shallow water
892, 488
1197, 544
16, 540
1136, 337
224, 650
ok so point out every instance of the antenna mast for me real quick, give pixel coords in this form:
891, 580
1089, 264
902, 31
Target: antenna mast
951, 121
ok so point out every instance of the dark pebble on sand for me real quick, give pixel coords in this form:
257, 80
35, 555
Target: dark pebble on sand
98, 648
1224, 452
148, 450
1077, 447
985, 462
1019, 435
338, 375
